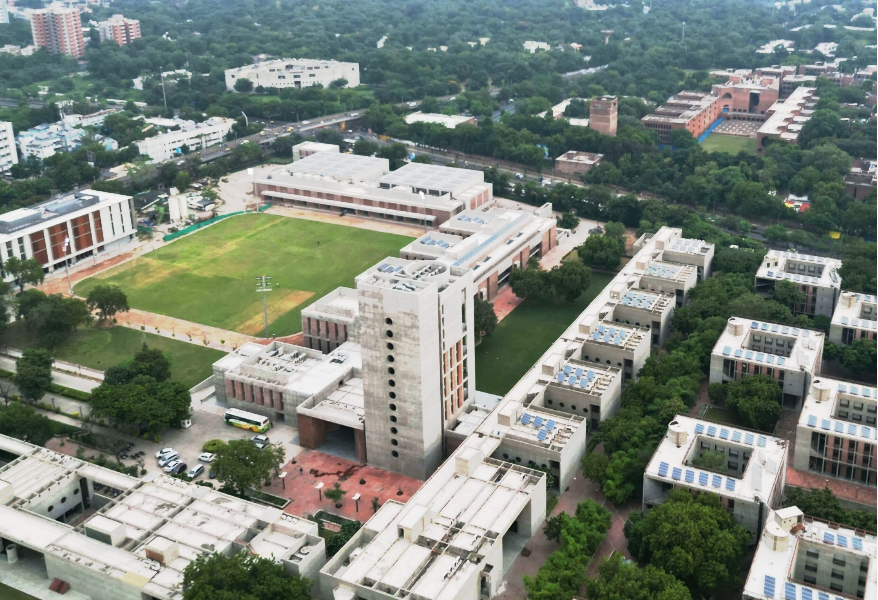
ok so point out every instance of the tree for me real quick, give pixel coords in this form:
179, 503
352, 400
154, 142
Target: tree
107, 300
240, 466
152, 362
182, 181
242, 576
568, 220
569, 279
755, 400
24, 272
712, 461
859, 356
243, 85
33, 374
423, 159
682, 138
23, 422
341, 538
56, 318
788, 294
142, 405
335, 493
692, 537
823, 504
619, 579
605, 250
484, 318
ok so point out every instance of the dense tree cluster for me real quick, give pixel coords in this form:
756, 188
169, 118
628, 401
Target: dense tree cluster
241, 576
620, 579
605, 250
565, 282
823, 504
51, 319
241, 466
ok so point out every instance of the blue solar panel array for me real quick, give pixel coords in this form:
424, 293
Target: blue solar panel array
791, 591
577, 377
428, 241
639, 300
699, 428
677, 473
525, 418
869, 433
791, 277
663, 271
385, 268
610, 335
663, 469
768, 588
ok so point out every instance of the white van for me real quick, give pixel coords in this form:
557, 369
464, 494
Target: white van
195, 471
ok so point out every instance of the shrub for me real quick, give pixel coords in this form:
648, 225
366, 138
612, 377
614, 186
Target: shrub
213, 445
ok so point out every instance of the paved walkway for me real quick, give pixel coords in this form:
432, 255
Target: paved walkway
65, 377
185, 331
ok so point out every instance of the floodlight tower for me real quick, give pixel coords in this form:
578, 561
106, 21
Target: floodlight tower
263, 284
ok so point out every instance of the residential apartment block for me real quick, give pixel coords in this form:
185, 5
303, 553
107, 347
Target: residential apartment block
92, 222
58, 30
603, 114
574, 162
364, 185
806, 558
8, 154
751, 483
854, 318
785, 118
294, 73
836, 434
119, 29
59, 517
45, 140
196, 136
790, 355
816, 277
692, 111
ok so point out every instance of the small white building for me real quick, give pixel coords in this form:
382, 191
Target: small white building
854, 318
816, 276
295, 73
749, 483
805, 558
8, 153
447, 121
532, 46
305, 149
197, 136
668, 278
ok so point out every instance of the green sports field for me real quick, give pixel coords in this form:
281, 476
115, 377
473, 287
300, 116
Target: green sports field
209, 277
731, 144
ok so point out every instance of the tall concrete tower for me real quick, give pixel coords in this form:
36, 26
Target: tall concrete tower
416, 334
603, 113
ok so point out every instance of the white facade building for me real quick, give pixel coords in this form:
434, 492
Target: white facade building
45, 140
90, 220
532, 46
197, 136
854, 318
295, 73
8, 153
816, 276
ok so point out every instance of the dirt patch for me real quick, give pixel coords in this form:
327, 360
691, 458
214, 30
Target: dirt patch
285, 303
149, 271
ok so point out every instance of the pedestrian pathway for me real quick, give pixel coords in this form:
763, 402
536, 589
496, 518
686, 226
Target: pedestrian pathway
185, 331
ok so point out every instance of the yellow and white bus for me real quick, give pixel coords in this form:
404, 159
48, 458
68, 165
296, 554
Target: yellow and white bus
246, 420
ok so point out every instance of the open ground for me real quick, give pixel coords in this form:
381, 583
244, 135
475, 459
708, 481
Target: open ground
731, 144
209, 277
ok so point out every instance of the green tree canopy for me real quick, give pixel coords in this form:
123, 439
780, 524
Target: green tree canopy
605, 250
756, 400
23, 422
142, 404
242, 576
33, 374
620, 579
107, 300
484, 318
241, 466
859, 356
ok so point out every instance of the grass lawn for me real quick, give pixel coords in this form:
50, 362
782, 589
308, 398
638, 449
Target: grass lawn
522, 337
8, 593
104, 348
209, 277
731, 144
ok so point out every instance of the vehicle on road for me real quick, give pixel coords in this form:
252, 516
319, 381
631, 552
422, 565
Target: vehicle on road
163, 452
546, 182
227, 149
519, 176
195, 471
355, 114
247, 420
168, 459
306, 122
206, 457
212, 474
261, 441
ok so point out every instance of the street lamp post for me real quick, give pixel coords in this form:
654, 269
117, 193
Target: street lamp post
357, 501
263, 284
283, 479
319, 487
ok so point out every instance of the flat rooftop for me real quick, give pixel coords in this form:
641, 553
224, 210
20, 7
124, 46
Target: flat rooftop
820, 411
670, 271
784, 111
670, 462
433, 178
339, 165
690, 246
448, 121
857, 311
800, 268
411, 276
647, 301
340, 302
625, 337
738, 337
585, 377
22, 218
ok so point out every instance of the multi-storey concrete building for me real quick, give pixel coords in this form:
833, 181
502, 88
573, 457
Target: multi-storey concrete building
332, 320
816, 277
45, 140
8, 154
603, 114
807, 558
750, 482
642, 309
742, 98
197, 136
305, 149
119, 29
862, 178
623, 347
61, 521
697, 253
785, 118
574, 162
58, 30
692, 111
295, 73
790, 355
854, 318
365, 186
668, 278
836, 435
92, 222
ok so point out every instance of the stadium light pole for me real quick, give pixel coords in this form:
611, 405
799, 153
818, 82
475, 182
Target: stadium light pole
263, 284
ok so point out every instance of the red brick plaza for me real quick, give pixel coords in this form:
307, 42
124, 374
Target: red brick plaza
311, 467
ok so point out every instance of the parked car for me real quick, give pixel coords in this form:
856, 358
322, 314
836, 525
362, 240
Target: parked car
169, 467
212, 474
163, 452
261, 441
180, 467
195, 471
168, 458
206, 457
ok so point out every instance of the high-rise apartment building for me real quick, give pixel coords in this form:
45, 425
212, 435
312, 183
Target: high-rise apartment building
119, 29
8, 155
603, 113
58, 30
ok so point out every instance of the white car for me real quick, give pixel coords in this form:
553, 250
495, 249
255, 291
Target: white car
355, 114
206, 457
261, 441
163, 451
306, 122
171, 465
195, 471
519, 176
168, 458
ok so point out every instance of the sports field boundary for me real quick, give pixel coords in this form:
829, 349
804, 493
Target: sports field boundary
169, 237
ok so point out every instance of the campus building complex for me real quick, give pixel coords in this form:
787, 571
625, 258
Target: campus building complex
790, 355
836, 434
854, 318
45, 140
58, 30
119, 29
364, 185
751, 483
743, 97
692, 111
785, 117
68, 524
603, 114
197, 136
89, 222
806, 558
8, 154
816, 277
294, 73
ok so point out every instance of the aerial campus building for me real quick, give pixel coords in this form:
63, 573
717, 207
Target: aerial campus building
804, 558
294, 73
786, 117
64, 520
197, 136
365, 186
8, 154
692, 111
816, 277
854, 318
91, 221
750, 483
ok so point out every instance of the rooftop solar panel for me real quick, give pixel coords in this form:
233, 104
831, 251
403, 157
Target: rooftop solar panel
790, 591
689, 476
858, 543
825, 424
812, 421
736, 436
541, 435
807, 594
842, 540
769, 586
663, 469
730, 484
676, 473
839, 427
550, 425
822, 596
748, 438
716, 481
761, 440
828, 537
525, 418
702, 478
723, 434
711, 431
699, 428
538, 421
